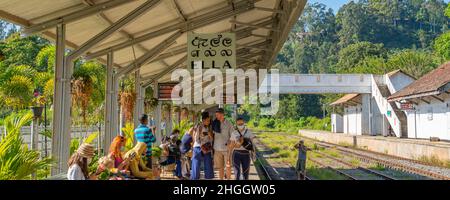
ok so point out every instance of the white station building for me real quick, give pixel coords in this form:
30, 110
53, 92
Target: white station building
371, 113
427, 104
398, 106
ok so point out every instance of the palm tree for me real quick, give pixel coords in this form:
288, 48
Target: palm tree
17, 162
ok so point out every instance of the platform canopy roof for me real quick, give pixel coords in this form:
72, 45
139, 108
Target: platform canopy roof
154, 41
349, 99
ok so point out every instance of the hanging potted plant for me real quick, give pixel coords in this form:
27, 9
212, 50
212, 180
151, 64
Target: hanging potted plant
150, 104
38, 104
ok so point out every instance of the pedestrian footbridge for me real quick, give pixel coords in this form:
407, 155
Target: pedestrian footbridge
320, 83
374, 89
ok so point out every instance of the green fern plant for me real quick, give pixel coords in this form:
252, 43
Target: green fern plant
17, 162
183, 127
76, 142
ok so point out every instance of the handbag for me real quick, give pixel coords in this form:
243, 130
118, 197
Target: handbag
208, 146
245, 142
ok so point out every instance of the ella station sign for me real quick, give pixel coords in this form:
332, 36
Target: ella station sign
211, 51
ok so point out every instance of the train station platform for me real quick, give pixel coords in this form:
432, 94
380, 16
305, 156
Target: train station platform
402, 147
168, 175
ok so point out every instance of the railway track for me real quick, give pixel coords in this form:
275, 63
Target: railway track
358, 169
268, 169
406, 165
333, 169
388, 161
394, 165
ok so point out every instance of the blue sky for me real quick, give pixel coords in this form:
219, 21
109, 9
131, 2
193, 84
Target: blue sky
336, 4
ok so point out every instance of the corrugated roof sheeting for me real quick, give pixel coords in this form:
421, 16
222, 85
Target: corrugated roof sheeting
345, 99
163, 15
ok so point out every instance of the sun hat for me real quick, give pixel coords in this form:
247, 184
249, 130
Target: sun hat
86, 150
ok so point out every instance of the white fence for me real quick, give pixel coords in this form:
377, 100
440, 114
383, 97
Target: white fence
77, 132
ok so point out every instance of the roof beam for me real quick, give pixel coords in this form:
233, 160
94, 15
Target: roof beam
109, 22
253, 25
437, 98
191, 24
179, 11
14, 19
130, 17
183, 49
74, 16
150, 55
422, 99
149, 80
270, 10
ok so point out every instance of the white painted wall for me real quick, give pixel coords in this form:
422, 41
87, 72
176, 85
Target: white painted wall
397, 82
430, 120
352, 120
337, 123
377, 119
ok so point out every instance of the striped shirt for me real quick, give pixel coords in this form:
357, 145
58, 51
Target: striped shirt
145, 135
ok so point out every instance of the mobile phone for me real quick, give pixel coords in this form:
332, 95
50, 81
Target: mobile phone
132, 155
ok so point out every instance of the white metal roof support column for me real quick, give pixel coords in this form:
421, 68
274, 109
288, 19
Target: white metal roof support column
137, 104
108, 102
66, 115
157, 114
58, 98
115, 107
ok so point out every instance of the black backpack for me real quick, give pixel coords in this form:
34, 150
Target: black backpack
247, 143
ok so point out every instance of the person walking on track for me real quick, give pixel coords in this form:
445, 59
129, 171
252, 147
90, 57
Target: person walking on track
301, 160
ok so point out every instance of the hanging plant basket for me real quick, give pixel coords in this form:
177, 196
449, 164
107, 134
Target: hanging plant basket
176, 109
37, 111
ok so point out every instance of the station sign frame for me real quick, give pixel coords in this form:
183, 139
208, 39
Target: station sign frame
211, 51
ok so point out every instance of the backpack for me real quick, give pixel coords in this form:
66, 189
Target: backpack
246, 142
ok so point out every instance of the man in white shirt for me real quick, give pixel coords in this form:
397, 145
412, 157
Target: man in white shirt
221, 139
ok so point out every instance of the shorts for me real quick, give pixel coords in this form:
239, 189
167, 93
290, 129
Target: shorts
220, 159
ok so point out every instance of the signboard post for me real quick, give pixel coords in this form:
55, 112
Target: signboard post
406, 106
211, 51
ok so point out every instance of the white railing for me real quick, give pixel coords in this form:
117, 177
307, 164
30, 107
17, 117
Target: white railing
322, 83
384, 107
77, 132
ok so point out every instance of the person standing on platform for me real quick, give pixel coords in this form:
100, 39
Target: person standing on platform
202, 151
186, 153
242, 148
222, 130
145, 135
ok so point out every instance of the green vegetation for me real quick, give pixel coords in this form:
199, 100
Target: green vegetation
17, 162
434, 160
283, 146
290, 125
183, 127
